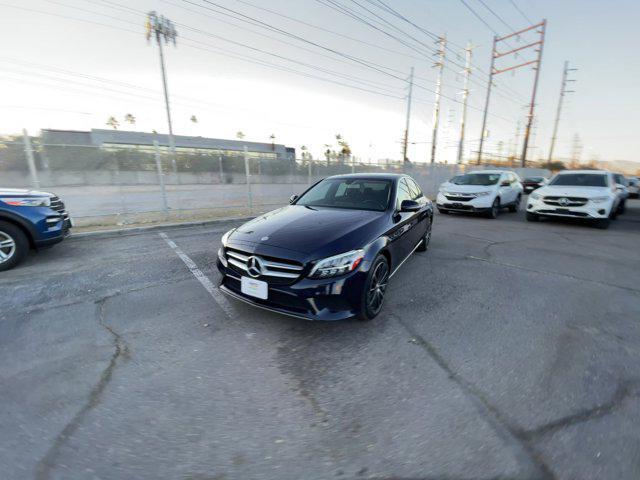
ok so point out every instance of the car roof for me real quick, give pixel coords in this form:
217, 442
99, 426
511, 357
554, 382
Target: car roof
491, 171
599, 172
377, 176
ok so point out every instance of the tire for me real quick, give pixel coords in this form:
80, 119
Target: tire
513, 208
426, 238
622, 207
602, 223
532, 217
494, 211
14, 245
377, 280
614, 213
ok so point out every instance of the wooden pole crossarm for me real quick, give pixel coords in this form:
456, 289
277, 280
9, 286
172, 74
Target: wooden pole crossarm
496, 72
498, 55
520, 31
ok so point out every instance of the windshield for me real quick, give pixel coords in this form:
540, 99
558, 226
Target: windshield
356, 194
580, 180
483, 179
534, 179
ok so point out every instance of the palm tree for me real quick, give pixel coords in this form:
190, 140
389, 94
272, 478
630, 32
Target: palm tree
130, 119
194, 119
239, 135
113, 123
272, 137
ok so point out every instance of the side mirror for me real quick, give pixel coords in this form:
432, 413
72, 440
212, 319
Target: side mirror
409, 206
505, 183
293, 198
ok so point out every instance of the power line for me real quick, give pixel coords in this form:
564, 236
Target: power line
496, 15
477, 15
524, 15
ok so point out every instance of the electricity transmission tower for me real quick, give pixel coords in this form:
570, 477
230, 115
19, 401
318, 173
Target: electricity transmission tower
442, 46
406, 128
465, 97
163, 29
563, 92
537, 45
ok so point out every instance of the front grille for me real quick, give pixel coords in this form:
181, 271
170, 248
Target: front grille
564, 212
458, 198
58, 206
451, 206
274, 270
572, 201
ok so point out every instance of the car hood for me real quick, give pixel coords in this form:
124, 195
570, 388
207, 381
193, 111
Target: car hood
22, 192
564, 191
452, 187
308, 230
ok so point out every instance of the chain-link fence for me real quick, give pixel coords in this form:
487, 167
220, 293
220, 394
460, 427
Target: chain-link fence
120, 186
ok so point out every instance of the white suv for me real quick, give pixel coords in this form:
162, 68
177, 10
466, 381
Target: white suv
588, 194
481, 191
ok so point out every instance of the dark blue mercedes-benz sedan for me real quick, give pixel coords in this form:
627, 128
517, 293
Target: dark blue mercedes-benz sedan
330, 254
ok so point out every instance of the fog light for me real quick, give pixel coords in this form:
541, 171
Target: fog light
601, 211
529, 207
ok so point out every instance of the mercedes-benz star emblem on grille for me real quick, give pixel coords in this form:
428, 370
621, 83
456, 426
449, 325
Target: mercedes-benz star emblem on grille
563, 201
254, 266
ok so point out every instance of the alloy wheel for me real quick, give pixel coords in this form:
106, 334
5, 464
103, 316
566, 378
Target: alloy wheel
377, 287
7, 247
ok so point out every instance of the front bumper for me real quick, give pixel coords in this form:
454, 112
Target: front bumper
473, 205
330, 299
590, 210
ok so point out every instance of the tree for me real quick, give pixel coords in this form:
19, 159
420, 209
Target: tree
272, 137
345, 149
194, 119
113, 123
130, 119
239, 135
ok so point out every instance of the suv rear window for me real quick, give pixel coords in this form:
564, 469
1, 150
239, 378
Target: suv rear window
580, 180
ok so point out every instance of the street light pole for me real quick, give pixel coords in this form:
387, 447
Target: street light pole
163, 30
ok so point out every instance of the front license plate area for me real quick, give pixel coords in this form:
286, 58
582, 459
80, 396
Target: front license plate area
254, 288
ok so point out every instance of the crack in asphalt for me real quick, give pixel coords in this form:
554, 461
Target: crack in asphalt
627, 389
545, 272
48, 463
489, 412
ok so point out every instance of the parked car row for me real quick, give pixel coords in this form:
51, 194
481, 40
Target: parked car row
594, 195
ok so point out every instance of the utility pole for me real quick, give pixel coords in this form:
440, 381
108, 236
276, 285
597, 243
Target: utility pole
576, 151
163, 30
532, 105
31, 162
442, 46
465, 97
495, 55
405, 142
487, 98
563, 92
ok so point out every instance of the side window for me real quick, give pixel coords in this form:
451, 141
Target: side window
403, 193
415, 189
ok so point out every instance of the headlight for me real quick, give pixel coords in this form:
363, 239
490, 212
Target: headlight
442, 189
598, 199
534, 196
27, 201
225, 237
337, 265
221, 257
481, 194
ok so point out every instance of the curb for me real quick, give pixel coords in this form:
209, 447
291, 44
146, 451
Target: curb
150, 228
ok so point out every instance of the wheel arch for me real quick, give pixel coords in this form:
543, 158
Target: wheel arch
21, 224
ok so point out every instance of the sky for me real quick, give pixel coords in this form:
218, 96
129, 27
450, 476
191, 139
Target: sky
71, 64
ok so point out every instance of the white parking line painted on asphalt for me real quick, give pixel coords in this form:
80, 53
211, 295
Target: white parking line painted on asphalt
202, 278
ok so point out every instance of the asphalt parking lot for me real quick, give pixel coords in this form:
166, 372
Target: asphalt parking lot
509, 350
